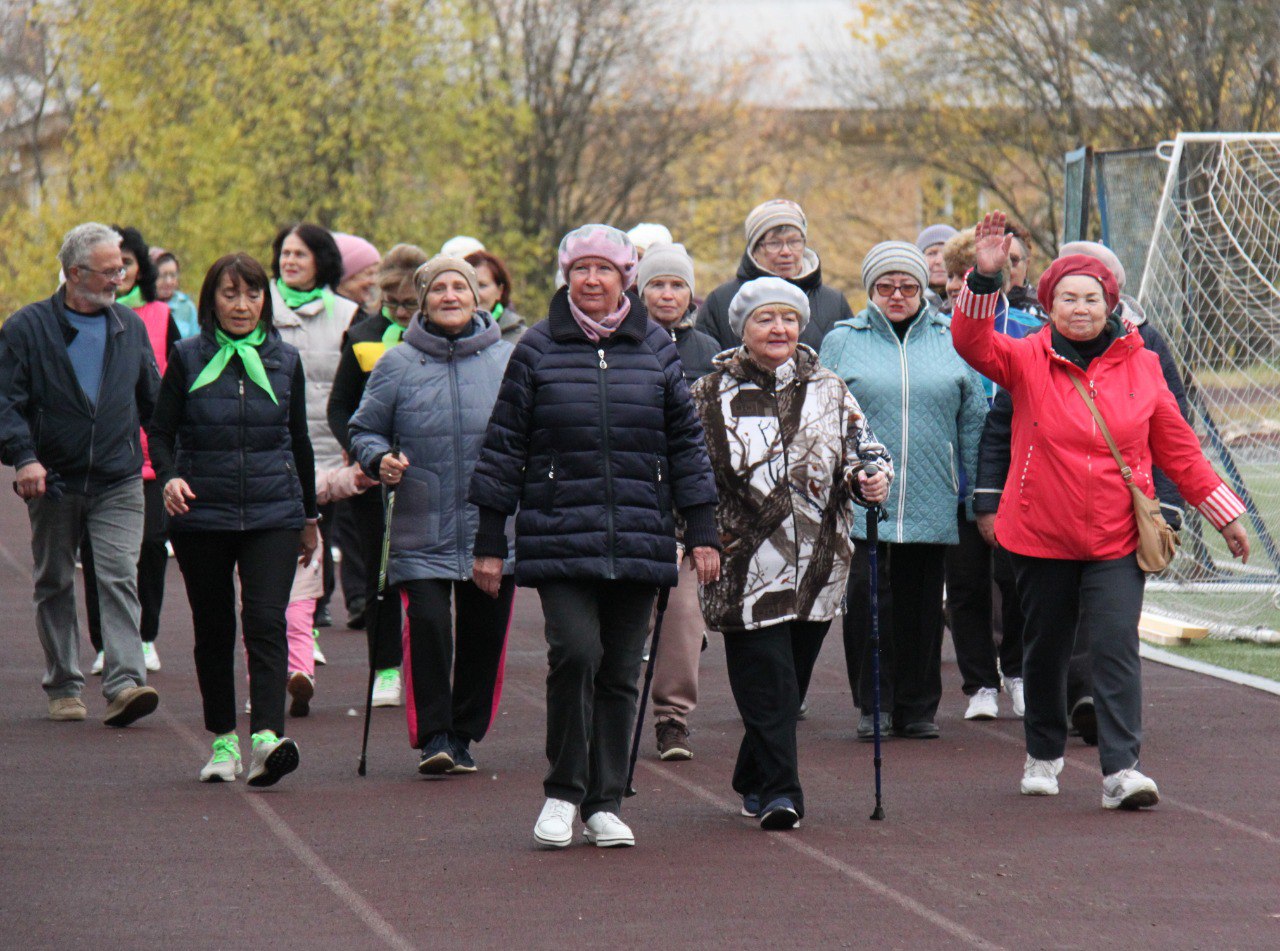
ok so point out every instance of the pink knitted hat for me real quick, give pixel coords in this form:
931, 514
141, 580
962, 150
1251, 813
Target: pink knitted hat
600, 241
357, 253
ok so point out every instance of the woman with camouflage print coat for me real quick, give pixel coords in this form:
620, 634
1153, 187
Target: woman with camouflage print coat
788, 446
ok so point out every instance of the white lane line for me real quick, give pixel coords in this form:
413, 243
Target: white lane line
306, 855
869, 882
1093, 770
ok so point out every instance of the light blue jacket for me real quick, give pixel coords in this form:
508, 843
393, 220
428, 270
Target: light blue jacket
435, 396
925, 404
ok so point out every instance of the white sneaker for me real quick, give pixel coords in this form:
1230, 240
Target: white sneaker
316, 652
1129, 789
554, 828
248, 706
97, 664
150, 657
1040, 776
982, 705
224, 765
607, 831
386, 688
273, 758
1017, 696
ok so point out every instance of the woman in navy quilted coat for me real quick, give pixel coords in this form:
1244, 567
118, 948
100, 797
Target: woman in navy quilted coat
434, 396
594, 440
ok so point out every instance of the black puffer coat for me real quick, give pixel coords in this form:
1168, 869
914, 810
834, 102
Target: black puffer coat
826, 304
593, 443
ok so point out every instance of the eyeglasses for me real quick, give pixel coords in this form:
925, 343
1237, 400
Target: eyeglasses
774, 245
111, 274
403, 305
908, 291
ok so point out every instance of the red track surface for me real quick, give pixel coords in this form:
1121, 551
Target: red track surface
107, 839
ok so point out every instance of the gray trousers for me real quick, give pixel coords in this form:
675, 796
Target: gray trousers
1105, 599
113, 521
595, 638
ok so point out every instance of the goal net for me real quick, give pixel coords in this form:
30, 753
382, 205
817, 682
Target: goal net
1210, 283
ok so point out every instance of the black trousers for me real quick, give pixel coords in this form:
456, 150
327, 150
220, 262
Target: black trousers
769, 670
466, 705
346, 535
266, 561
153, 563
1104, 600
595, 637
971, 568
326, 554
383, 631
910, 594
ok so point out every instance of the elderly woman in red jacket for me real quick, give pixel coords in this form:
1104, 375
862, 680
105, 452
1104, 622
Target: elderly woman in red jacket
1066, 515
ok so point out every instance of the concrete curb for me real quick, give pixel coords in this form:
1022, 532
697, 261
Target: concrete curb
1147, 652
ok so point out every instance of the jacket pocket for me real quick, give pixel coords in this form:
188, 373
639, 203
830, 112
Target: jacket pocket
295, 483
415, 524
549, 485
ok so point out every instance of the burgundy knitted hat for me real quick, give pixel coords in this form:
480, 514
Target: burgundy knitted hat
1077, 264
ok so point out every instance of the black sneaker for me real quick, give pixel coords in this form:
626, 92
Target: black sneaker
779, 814
462, 759
437, 755
1084, 720
918, 730
323, 617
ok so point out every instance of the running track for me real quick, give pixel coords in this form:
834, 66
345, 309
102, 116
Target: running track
107, 839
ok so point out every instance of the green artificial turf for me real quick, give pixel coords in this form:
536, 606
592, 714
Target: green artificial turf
1262, 660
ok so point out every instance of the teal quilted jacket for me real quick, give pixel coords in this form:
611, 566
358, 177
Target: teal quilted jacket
925, 404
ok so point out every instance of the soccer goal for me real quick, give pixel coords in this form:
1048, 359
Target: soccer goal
1210, 283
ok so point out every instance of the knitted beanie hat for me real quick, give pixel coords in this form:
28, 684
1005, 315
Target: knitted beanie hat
774, 214
599, 241
665, 260
1099, 251
645, 235
1077, 264
755, 294
889, 257
357, 253
425, 276
461, 245
934, 234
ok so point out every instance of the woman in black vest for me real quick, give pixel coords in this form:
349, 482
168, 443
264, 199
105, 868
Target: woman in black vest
229, 444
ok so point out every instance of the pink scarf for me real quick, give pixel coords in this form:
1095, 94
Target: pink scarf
596, 330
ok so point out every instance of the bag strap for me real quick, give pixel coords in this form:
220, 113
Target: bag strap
1125, 472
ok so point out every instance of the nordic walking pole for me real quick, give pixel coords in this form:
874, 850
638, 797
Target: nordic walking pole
663, 596
389, 505
873, 540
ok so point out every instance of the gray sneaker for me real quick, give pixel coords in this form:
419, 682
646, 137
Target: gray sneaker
274, 757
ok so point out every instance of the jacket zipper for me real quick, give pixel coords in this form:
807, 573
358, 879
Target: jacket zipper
900, 473
459, 502
243, 487
608, 466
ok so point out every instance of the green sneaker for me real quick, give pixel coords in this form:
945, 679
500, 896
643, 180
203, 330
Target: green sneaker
224, 765
273, 758
316, 652
386, 688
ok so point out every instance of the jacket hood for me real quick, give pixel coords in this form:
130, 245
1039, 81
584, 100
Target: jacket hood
486, 334
810, 278
1130, 312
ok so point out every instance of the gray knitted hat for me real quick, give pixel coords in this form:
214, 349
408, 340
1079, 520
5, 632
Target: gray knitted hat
425, 275
774, 214
1100, 251
888, 257
935, 234
755, 294
665, 260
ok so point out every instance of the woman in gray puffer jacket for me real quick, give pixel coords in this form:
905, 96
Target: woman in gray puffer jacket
434, 396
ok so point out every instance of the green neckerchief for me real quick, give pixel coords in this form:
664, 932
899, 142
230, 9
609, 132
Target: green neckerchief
133, 298
294, 298
247, 347
497, 312
394, 333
